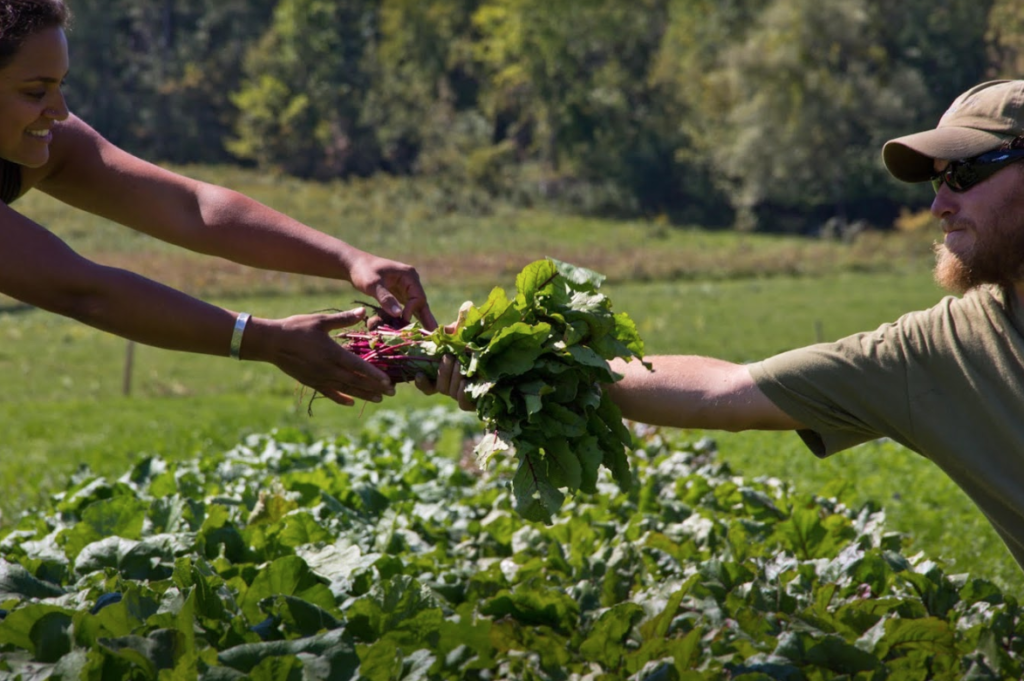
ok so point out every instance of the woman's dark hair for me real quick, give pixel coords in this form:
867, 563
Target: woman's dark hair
21, 19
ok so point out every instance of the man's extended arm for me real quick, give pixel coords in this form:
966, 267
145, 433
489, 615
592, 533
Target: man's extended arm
686, 391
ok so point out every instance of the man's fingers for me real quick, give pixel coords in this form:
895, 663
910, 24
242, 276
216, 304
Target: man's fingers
463, 398
447, 370
461, 318
424, 385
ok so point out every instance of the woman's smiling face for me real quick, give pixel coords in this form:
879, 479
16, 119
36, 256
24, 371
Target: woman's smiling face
31, 101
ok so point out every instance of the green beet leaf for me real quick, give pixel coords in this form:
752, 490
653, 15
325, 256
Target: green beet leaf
535, 280
583, 278
563, 469
536, 497
606, 641
41, 629
289, 576
336, 646
16, 581
513, 351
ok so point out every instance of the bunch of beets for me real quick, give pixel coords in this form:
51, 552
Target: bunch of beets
536, 364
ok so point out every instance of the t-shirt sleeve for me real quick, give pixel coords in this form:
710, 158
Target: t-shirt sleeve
846, 393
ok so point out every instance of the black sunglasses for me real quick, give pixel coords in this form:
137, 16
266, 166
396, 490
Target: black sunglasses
963, 174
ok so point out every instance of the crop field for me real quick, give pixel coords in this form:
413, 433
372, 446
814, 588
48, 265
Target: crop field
70, 400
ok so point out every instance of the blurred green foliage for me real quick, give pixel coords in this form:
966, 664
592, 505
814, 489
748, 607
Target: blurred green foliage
740, 113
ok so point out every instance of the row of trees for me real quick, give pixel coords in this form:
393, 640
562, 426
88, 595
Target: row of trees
763, 114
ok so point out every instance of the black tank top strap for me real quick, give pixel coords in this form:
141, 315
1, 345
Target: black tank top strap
10, 181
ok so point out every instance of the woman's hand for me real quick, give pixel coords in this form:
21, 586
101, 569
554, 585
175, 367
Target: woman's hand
302, 347
394, 285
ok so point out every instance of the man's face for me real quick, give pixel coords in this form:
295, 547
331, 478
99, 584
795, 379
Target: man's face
984, 231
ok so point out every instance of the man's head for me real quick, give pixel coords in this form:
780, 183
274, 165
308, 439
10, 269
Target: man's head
985, 118
974, 159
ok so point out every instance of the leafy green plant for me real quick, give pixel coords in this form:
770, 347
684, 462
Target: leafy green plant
536, 364
380, 556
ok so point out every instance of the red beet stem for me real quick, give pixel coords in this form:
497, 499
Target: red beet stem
388, 350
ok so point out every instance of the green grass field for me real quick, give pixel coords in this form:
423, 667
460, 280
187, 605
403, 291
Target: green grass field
735, 296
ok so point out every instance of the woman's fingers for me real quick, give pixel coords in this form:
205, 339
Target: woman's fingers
395, 285
303, 348
337, 397
344, 319
418, 307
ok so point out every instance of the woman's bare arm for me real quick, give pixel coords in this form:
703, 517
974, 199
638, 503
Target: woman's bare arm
88, 172
38, 268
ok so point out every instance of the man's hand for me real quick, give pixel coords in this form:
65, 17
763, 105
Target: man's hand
450, 380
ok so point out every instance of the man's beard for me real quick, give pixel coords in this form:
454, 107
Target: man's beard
995, 257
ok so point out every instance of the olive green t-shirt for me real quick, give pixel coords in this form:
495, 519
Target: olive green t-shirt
947, 382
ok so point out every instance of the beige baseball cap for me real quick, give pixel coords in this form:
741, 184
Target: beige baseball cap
979, 120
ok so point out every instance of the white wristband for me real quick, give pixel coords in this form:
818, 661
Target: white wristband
236, 336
